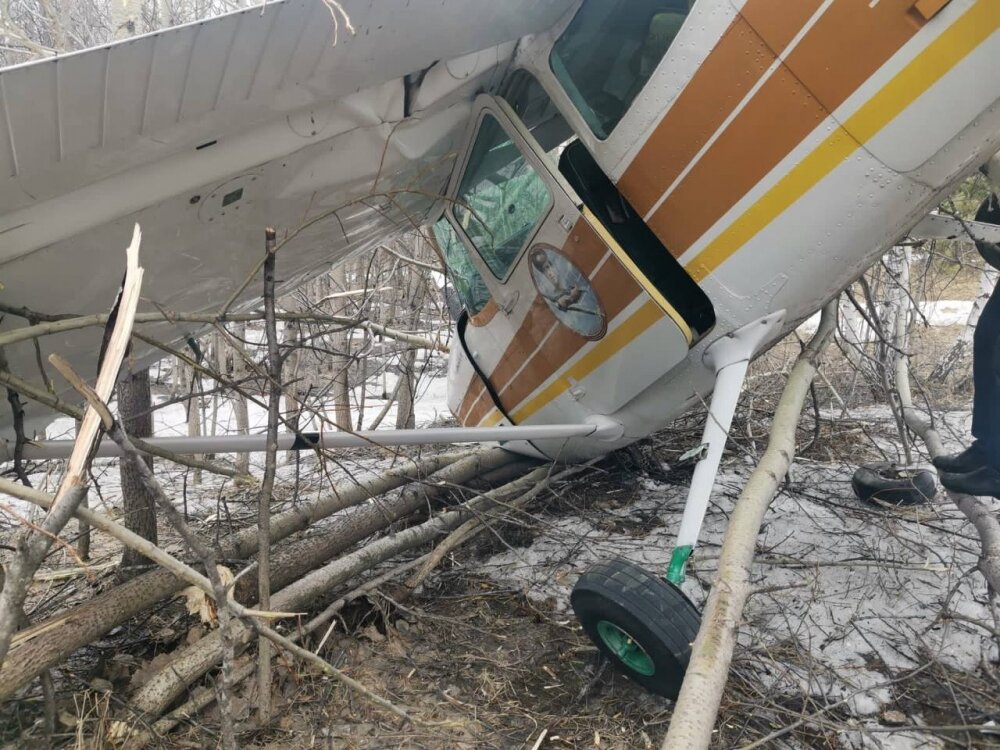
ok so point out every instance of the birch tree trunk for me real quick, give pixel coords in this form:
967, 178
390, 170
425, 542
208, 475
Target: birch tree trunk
698, 704
240, 409
83, 528
341, 361
294, 364
954, 360
193, 407
415, 288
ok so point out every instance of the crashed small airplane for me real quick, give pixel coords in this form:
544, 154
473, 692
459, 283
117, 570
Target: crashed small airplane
633, 197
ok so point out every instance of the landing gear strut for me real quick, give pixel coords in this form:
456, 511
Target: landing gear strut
644, 623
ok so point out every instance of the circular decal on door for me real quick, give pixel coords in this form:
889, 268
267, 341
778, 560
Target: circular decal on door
567, 292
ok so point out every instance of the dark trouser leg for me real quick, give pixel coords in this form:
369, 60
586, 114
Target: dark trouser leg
986, 376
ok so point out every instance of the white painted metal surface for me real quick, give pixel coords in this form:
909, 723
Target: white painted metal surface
280, 114
729, 357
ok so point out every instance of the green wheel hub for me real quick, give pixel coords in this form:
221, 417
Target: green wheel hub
622, 645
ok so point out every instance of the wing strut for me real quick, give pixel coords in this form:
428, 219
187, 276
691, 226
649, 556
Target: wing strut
597, 427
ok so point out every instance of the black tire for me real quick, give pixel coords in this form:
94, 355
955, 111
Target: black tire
887, 484
656, 616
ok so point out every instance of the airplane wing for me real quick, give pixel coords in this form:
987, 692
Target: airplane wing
285, 115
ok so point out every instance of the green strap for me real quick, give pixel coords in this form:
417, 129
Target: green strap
678, 563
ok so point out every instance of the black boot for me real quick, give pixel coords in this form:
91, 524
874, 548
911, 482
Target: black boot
983, 481
968, 460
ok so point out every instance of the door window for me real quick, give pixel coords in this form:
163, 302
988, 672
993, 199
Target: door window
469, 285
608, 53
501, 199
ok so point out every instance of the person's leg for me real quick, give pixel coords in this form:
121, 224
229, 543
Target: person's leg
985, 407
986, 378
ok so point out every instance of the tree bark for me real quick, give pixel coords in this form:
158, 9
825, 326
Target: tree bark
698, 703
267, 484
240, 408
139, 506
48, 642
189, 663
193, 406
405, 417
342, 359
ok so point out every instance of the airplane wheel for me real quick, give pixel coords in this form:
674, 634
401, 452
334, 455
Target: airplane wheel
888, 484
643, 623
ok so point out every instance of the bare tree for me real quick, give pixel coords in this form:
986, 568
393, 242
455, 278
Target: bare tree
138, 504
341, 362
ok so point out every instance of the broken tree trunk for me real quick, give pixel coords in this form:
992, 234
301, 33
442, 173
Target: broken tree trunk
138, 505
34, 543
48, 642
980, 514
191, 662
698, 704
270, 467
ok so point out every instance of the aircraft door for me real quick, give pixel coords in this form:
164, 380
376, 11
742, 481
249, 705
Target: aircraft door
578, 328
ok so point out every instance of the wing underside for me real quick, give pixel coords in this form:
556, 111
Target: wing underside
290, 115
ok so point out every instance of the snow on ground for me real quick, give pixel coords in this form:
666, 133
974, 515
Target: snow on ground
203, 499
859, 592
950, 312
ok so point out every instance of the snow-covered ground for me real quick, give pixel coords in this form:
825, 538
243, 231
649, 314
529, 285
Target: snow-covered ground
861, 594
949, 312
171, 420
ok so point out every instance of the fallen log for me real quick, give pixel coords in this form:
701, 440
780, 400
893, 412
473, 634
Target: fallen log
202, 697
191, 662
50, 641
297, 558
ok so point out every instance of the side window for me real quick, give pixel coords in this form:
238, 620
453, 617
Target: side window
501, 198
609, 51
469, 285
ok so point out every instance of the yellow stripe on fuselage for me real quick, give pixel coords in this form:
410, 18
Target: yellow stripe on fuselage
604, 350
954, 43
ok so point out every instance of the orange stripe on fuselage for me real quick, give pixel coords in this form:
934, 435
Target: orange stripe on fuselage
779, 116
720, 83
616, 289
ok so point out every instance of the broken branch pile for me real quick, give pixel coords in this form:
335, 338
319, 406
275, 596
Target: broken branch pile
50, 641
